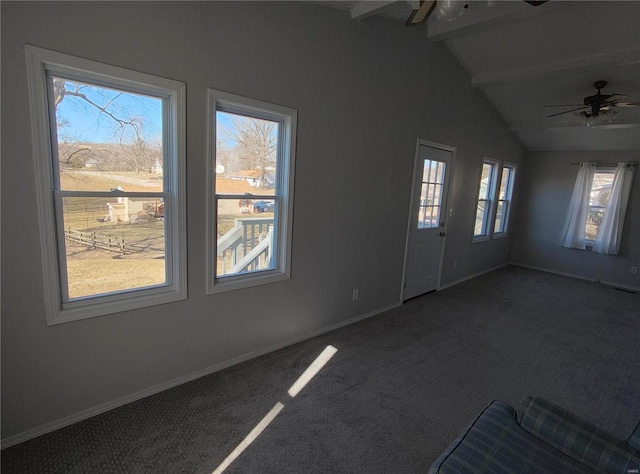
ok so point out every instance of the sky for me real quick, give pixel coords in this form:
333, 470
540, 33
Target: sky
81, 121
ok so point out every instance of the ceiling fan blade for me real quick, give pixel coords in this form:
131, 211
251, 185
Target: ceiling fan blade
631, 103
535, 4
420, 15
567, 111
614, 98
565, 105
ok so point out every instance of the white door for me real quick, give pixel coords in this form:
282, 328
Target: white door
427, 221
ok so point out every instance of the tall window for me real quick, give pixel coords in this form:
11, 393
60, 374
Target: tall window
504, 200
109, 155
494, 201
598, 206
252, 147
486, 193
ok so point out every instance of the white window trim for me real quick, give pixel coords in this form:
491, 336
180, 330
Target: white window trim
509, 193
219, 100
39, 61
489, 213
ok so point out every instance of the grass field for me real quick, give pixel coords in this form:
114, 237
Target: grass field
103, 275
93, 271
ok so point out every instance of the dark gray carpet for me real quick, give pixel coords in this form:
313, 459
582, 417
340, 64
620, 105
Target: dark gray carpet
399, 389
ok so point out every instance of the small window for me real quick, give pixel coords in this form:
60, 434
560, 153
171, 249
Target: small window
598, 200
433, 173
503, 207
486, 193
252, 147
110, 160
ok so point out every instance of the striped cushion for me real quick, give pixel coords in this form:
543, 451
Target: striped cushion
495, 443
575, 437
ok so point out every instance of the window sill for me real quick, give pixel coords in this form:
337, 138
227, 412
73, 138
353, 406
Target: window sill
239, 282
110, 304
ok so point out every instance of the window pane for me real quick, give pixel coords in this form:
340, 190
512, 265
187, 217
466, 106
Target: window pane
431, 194
485, 181
500, 212
598, 201
107, 138
601, 189
246, 152
504, 183
113, 244
245, 236
480, 218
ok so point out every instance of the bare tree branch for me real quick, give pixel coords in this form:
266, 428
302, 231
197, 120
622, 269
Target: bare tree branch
133, 123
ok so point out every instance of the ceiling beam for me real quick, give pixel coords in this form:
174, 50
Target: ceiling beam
626, 57
480, 16
367, 8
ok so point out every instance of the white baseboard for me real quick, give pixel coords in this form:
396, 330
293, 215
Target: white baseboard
85, 414
579, 277
469, 277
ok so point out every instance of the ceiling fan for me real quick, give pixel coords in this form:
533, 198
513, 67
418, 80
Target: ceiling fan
595, 105
424, 8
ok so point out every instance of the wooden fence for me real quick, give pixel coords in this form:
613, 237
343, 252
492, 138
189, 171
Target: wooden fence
111, 243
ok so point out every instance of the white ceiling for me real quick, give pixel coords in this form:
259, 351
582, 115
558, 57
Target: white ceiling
524, 57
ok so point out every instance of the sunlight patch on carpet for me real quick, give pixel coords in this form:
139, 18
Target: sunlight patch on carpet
315, 367
251, 437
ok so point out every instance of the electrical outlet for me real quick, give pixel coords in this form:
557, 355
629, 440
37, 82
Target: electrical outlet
634, 270
356, 294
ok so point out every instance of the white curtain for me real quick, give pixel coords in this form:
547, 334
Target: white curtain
610, 233
574, 228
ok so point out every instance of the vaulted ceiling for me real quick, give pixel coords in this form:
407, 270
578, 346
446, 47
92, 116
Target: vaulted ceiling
524, 58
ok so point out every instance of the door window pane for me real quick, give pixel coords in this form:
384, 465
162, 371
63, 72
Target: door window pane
431, 194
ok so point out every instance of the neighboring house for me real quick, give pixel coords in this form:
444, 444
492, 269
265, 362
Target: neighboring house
253, 177
157, 168
234, 186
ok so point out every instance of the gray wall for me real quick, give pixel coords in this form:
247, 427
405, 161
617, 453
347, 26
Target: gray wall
546, 192
365, 91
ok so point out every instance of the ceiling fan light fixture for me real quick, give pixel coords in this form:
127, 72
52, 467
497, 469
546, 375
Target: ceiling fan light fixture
449, 10
593, 120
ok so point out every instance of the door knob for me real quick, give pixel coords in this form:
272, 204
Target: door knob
442, 234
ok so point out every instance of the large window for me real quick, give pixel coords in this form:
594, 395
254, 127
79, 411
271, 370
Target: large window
252, 146
598, 206
108, 147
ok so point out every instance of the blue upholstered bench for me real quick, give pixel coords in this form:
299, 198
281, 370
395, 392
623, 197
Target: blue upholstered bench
544, 438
